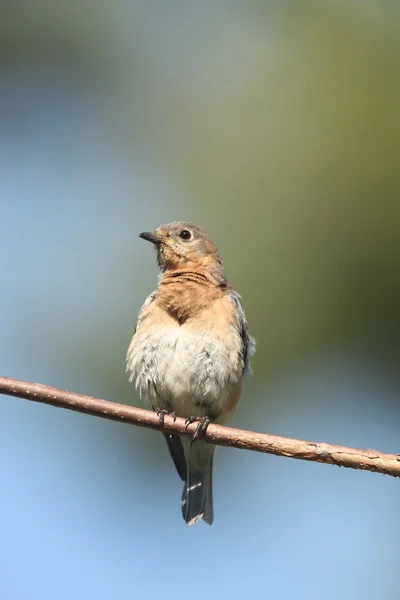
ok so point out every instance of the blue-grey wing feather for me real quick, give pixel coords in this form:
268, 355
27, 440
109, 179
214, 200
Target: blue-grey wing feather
248, 342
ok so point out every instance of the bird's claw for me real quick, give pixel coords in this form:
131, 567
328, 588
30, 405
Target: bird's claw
161, 415
161, 412
203, 423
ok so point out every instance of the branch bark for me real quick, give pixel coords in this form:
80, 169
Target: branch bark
341, 456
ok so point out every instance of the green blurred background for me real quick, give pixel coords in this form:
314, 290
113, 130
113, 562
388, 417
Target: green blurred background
276, 127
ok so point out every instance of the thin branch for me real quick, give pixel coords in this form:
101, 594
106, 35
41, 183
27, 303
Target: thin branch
352, 458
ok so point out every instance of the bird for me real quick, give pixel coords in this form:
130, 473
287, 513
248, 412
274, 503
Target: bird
190, 352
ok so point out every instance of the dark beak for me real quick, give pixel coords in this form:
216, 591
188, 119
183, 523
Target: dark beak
150, 237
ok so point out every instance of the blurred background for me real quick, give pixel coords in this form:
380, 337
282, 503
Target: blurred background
275, 126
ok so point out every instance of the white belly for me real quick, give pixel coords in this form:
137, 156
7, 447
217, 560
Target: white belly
191, 374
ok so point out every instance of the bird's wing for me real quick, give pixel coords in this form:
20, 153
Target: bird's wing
142, 313
248, 342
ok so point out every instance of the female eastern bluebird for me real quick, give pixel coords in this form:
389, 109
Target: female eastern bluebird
190, 351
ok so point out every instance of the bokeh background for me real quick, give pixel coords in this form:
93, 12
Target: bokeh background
276, 126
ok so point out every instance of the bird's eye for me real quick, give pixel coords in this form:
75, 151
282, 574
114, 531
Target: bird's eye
185, 234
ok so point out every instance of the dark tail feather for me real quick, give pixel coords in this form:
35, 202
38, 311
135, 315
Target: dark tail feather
197, 496
176, 451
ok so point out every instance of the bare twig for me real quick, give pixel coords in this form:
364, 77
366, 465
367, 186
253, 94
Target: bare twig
352, 458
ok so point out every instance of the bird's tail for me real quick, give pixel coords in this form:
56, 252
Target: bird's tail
197, 496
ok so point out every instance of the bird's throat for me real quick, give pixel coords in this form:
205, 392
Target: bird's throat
186, 293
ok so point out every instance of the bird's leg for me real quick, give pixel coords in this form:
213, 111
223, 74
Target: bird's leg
203, 423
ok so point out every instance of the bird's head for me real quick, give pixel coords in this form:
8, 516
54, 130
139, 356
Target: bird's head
184, 245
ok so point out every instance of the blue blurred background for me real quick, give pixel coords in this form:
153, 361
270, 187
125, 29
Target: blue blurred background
276, 127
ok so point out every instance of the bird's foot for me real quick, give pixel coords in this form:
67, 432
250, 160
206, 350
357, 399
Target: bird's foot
161, 412
203, 423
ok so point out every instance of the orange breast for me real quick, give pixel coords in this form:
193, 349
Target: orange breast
186, 294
